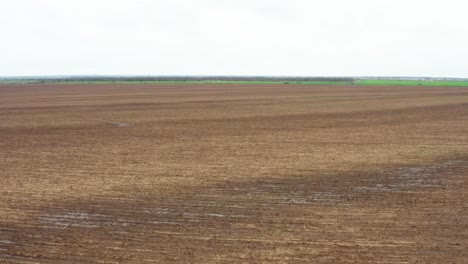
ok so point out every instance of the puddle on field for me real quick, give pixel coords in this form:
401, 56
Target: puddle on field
73, 219
118, 124
314, 197
4, 243
4, 248
128, 218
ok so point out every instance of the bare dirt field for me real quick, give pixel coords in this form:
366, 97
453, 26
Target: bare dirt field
233, 174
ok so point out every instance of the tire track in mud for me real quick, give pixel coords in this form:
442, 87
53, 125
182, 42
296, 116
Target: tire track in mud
398, 215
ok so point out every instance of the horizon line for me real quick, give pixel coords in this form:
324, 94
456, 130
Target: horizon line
221, 76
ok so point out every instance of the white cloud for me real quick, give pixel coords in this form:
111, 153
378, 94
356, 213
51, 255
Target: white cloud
234, 37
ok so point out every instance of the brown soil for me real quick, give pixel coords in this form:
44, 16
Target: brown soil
233, 174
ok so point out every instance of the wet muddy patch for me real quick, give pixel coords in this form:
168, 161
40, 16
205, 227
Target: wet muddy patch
70, 219
340, 191
4, 244
256, 214
6, 241
410, 179
183, 214
241, 201
114, 123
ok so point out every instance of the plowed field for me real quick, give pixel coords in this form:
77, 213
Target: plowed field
233, 174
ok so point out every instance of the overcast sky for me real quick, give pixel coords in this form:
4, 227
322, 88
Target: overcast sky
234, 37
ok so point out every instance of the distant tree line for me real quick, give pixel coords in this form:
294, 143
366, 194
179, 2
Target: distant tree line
196, 78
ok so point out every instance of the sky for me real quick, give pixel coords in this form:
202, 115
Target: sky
234, 37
